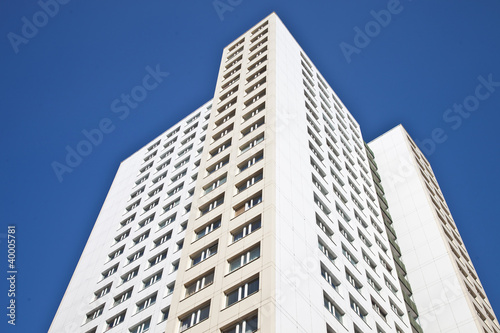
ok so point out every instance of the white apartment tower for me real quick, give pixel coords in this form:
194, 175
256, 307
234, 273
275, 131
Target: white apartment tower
262, 211
445, 284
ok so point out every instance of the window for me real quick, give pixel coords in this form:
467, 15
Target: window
246, 230
115, 321
172, 205
212, 205
390, 285
208, 228
200, 283
253, 127
251, 161
158, 258
164, 314
130, 275
215, 184
372, 283
123, 297
248, 325
218, 165
204, 254
179, 176
359, 311
150, 300
135, 256
255, 200
142, 327
136, 193
220, 148
116, 253
170, 288
329, 278
175, 266
132, 206
194, 317
109, 271
95, 313
167, 221
349, 256
252, 143
333, 309
163, 239
353, 281
242, 292
141, 237
146, 221
127, 221
378, 309
249, 181
244, 258
326, 251
103, 291
176, 189
152, 279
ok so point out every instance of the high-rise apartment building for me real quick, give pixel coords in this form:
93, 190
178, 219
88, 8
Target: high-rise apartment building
261, 211
445, 284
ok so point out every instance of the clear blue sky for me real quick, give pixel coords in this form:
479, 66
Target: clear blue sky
67, 73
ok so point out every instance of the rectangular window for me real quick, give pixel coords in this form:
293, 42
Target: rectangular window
248, 325
146, 303
251, 161
244, 258
130, 275
163, 239
152, 279
158, 258
109, 271
116, 253
103, 291
208, 228
135, 256
142, 327
333, 309
359, 310
141, 237
218, 165
246, 229
122, 297
200, 283
172, 205
253, 127
242, 292
243, 207
249, 181
220, 148
167, 221
212, 186
252, 143
204, 254
95, 313
329, 278
212, 205
115, 321
326, 251
194, 317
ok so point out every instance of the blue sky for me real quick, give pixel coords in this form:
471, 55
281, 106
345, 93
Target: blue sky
61, 78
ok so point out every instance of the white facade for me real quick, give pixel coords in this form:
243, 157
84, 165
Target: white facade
268, 215
446, 287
